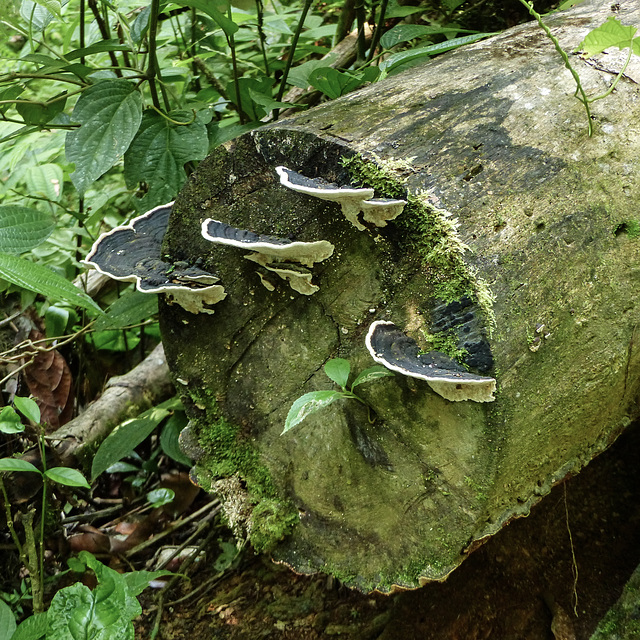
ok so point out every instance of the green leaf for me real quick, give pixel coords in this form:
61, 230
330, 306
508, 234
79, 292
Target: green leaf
159, 152
28, 408
113, 340
22, 228
67, 477
160, 497
45, 180
405, 32
10, 93
307, 404
206, 6
169, 438
611, 34
56, 320
33, 628
10, 421
36, 16
15, 464
397, 59
98, 47
54, 6
372, 373
36, 113
130, 308
109, 114
138, 581
7, 621
125, 438
334, 83
338, 370
41, 279
219, 135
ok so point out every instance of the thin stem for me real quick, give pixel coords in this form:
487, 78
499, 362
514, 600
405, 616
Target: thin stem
361, 46
236, 75
262, 36
292, 51
152, 68
377, 34
563, 54
9, 517
617, 78
32, 563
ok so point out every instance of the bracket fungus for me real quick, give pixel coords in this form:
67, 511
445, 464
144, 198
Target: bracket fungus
286, 258
391, 347
133, 253
352, 200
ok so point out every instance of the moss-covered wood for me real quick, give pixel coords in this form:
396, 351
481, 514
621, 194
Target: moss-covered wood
544, 299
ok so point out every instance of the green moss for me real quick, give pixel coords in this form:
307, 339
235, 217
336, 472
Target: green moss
272, 516
445, 342
430, 231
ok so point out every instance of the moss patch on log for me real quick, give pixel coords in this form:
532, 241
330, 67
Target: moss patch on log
429, 230
268, 516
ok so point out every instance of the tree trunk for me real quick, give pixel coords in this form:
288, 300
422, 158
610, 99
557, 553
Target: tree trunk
543, 300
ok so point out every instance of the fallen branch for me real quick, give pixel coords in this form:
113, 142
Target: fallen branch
124, 397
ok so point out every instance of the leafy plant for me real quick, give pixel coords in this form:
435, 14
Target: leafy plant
78, 613
611, 34
32, 551
338, 370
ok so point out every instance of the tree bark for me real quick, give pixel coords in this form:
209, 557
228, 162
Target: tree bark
493, 134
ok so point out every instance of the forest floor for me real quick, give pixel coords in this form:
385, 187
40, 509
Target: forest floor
517, 586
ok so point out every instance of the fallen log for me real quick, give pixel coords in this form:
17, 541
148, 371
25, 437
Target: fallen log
516, 254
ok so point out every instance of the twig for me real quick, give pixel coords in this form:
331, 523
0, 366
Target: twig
214, 504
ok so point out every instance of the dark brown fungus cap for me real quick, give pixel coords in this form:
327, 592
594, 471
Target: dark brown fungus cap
391, 347
133, 253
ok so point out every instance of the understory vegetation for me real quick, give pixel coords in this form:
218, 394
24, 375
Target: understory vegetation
105, 110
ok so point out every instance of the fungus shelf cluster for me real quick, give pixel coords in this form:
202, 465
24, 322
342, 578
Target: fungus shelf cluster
133, 253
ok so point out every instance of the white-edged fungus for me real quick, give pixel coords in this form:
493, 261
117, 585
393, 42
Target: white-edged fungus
350, 198
279, 255
391, 347
133, 253
380, 210
281, 249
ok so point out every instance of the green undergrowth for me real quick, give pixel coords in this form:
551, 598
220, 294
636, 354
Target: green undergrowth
429, 230
230, 454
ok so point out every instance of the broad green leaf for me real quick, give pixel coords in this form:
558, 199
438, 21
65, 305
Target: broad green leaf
405, 32
395, 10
114, 340
130, 308
109, 114
219, 135
372, 373
140, 25
260, 85
307, 404
37, 16
7, 621
10, 93
138, 581
53, 6
56, 320
334, 83
10, 421
267, 101
397, 59
611, 34
338, 370
15, 464
67, 477
160, 497
45, 180
33, 628
28, 408
41, 279
34, 113
98, 47
159, 152
125, 438
206, 6
169, 438
22, 228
